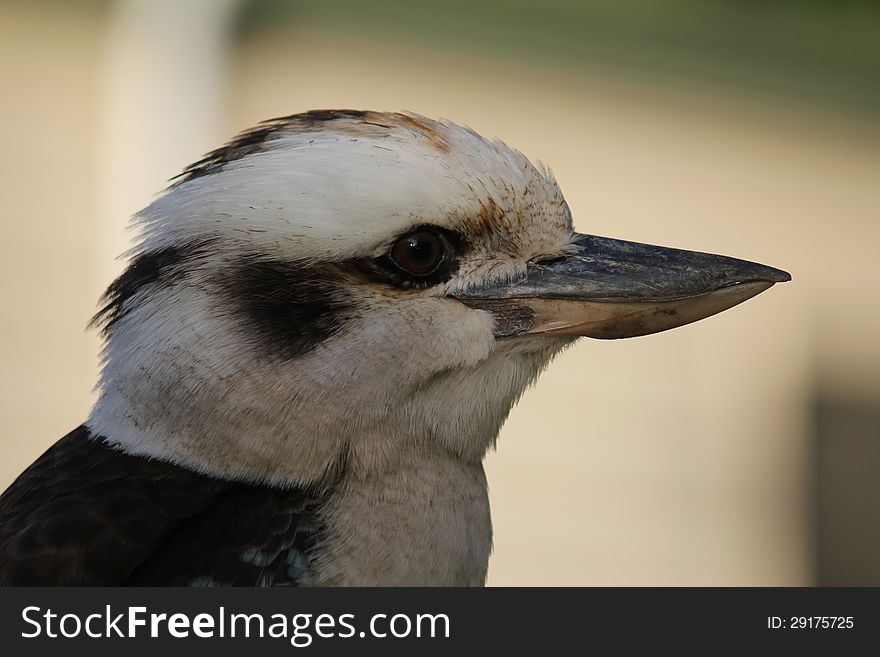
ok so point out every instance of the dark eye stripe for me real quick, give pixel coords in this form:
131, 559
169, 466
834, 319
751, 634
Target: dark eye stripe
291, 306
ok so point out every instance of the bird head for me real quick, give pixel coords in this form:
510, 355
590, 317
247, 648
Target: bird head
365, 287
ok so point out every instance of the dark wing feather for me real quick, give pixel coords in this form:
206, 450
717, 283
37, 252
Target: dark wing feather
249, 536
88, 514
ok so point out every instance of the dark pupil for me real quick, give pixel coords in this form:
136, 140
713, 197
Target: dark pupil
418, 253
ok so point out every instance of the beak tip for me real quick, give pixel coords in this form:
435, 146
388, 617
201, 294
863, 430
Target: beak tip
777, 275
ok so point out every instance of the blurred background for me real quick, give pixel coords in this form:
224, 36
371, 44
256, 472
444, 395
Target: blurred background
742, 450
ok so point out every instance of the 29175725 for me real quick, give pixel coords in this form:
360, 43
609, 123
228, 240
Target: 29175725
810, 623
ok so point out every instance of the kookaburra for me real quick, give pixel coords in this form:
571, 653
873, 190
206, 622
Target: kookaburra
318, 337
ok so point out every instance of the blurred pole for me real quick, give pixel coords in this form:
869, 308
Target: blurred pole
164, 105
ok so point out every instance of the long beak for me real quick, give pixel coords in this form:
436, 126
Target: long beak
612, 289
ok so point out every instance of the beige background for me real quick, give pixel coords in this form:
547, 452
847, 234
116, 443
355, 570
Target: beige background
683, 458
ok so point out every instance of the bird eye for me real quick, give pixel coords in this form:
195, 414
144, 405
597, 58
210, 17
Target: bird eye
418, 253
